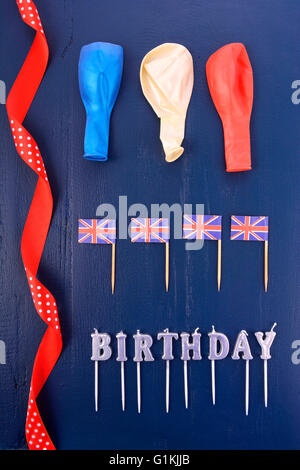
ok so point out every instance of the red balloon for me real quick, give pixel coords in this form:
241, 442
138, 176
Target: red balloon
230, 80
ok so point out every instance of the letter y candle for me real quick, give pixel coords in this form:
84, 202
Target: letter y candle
265, 341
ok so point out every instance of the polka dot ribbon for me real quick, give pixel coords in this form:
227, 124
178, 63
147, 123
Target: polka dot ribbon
37, 223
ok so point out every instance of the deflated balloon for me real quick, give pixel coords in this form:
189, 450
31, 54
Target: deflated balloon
167, 79
100, 72
230, 81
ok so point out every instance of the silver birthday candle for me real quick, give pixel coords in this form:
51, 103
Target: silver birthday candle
122, 358
242, 347
218, 350
186, 347
142, 345
101, 351
265, 341
167, 356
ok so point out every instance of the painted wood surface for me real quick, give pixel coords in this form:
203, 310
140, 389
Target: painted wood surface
79, 276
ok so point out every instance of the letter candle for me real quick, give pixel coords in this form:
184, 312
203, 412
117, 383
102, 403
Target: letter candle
167, 356
121, 340
186, 346
101, 351
218, 349
142, 345
242, 346
265, 341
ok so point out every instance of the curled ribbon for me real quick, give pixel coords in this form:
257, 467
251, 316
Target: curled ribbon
37, 223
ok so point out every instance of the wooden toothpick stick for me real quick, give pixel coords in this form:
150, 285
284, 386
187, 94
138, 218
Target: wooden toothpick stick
266, 276
167, 265
219, 263
113, 267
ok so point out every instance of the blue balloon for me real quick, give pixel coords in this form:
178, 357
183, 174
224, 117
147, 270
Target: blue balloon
100, 71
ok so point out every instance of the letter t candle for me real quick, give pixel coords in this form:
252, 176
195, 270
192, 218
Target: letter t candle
167, 356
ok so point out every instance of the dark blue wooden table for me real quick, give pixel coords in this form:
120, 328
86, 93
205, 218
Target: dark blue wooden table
79, 276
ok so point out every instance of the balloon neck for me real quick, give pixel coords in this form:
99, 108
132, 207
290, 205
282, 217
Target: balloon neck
96, 136
237, 144
171, 136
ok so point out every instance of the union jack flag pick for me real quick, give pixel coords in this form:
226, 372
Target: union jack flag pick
152, 230
252, 228
205, 227
100, 231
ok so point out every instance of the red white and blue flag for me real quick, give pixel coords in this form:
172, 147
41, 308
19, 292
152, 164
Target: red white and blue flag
202, 227
249, 228
149, 230
97, 231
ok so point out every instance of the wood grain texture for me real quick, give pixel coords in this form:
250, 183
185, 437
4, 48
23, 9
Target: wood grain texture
79, 276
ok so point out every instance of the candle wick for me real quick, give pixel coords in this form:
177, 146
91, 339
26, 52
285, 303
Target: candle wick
275, 324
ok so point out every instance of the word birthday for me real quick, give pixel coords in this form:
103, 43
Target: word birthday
219, 348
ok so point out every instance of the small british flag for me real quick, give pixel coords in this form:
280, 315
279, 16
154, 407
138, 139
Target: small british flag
202, 227
149, 230
97, 231
249, 228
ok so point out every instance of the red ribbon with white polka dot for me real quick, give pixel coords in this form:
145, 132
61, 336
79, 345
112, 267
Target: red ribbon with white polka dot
37, 223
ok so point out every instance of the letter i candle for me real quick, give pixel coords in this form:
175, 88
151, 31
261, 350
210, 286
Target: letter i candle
122, 358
